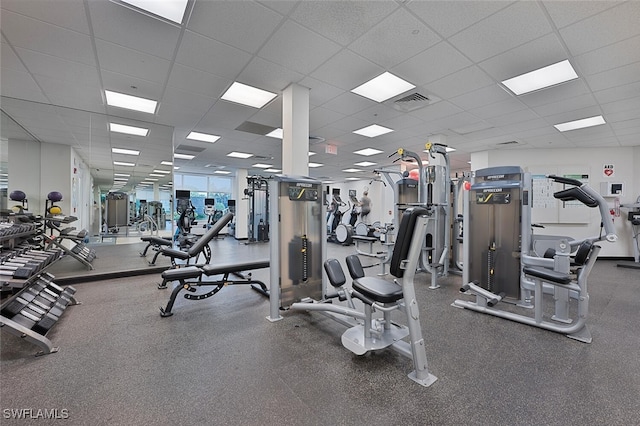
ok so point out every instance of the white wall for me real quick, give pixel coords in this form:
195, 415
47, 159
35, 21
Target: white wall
626, 161
24, 173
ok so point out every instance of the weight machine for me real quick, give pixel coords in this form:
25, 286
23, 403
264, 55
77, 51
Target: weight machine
633, 216
258, 193
500, 265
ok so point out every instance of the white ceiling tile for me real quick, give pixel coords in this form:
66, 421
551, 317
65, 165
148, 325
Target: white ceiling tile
268, 76
423, 68
573, 115
283, 7
47, 65
347, 70
626, 74
610, 26
9, 60
622, 116
125, 61
463, 81
348, 103
508, 28
227, 115
631, 140
196, 81
546, 50
482, 97
612, 56
21, 85
69, 14
297, 48
394, 40
46, 38
204, 54
512, 118
321, 117
450, 17
188, 100
618, 93
564, 13
120, 25
435, 111
319, 91
621, 106
402, 121
570, 104
342, 22
378, 113
245, 25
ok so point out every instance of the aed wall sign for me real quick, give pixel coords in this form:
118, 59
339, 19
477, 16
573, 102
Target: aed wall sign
607, 170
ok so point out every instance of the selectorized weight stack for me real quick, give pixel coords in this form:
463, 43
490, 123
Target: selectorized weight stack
297, 233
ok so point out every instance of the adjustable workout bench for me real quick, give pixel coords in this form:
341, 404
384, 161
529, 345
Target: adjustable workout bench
196, 273
200, 247
156, 243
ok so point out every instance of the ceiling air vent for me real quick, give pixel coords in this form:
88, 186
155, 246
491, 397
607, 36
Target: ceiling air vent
188, 149
510, 144
313, 140
413, 102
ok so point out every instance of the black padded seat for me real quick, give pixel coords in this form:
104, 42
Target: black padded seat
378, 290
234, 267
157, 240
182, 273
547, 275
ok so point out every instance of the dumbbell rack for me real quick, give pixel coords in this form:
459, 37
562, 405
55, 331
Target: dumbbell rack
34, 310
78, 251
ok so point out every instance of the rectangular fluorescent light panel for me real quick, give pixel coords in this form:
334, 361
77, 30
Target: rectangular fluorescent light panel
156, 175
580, 124
277, 133
373, 131
383, 87
352, 178
166, 172
129, 130
120, 179
248, 95
125, 151
167, 163
122, 163
173, 10
262, 166
204, 137
273, 170
541, 78
183, 156
365, 164
122, 174
239, 155
222, 172
314, 165
368, 151
135, 103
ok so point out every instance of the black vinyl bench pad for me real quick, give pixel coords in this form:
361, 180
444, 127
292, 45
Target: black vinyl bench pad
378, 290
547, 275
157, 240
208, 270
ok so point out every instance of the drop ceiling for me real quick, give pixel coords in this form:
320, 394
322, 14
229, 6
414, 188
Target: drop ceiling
59, 56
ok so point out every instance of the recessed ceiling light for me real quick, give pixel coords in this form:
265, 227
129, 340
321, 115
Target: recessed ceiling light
541, 78
122, 174
129, 130
172, 10
122, 163
166, 172
248, 95
120, 179
352, 178
176, 168
368, 151
183, 156
125, 151
262, 166
130, 102
314, 165
235, 154
365, 164
167, 163
273, 170
151, 179
222, 172
351, 170
277, 133
373, 131
580, 124
204, 137
156, 175
312, 153
383, 87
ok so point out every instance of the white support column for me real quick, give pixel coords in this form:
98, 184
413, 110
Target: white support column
295, 130
242, 206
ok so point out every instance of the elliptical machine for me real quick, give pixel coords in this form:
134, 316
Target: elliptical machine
337, 231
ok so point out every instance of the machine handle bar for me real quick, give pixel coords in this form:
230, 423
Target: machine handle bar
565, 180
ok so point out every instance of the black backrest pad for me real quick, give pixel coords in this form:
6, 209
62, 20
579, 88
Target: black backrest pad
355, 267
334, 272
403, 239
583, 252
576, 193
208, 236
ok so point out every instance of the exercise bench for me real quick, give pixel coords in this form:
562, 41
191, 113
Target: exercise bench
200, 247
156, 243
195, 273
